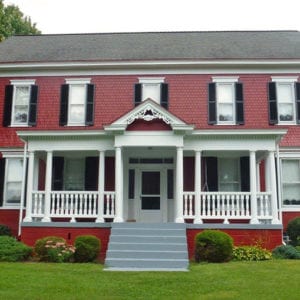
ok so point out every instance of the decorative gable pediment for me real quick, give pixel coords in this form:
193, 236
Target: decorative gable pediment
148, 111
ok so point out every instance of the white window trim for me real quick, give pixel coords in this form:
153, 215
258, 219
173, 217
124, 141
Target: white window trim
78, 80
22, 82
225, 79
151, 80
5, 205
290, 79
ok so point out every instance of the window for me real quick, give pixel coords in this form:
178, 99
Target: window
13, 181
290, 181
284, 100
152, 88
20, 103
74, 174
229, 174
225, 102
77, 103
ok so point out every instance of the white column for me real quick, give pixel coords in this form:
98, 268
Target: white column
119, 185
253, 188
258, 177
267, 176
179, 186
101, 177
273, 189
28, 217
48, 187
198, 219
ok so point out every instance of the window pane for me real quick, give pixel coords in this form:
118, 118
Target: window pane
225, 93
15, 167
290, 171
152, 203
21, 114
285, 92
286, 112
151, 91
291, 192
77, 114
77, 94
151, 183
22, 94
74, 174
225, 112
13, 192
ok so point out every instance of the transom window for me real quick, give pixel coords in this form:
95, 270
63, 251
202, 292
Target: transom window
291, 181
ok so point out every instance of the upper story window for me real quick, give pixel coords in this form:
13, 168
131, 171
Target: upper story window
77, 103
284, 100
20, 103
151, 88
225, 101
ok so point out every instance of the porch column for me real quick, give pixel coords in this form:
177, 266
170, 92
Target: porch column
179, 186
119, 186
198, 219
253, 188
48, 187
28, 217
101, 176
272, 186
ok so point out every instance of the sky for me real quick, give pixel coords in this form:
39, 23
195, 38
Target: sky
84, 16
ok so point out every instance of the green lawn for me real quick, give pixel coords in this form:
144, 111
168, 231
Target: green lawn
278, 279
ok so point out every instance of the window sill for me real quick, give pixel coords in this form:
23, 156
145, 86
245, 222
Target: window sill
290, 208
10, 207
76, 125
19, 125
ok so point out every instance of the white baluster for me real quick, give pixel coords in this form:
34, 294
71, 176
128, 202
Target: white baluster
76, 210
218, 205
237, 202
223, 205
185, 211
80, 205
247, 205
34, 204
213, 205
113, 204
233, 212
40, 204
204, 199
191, 198
208, 206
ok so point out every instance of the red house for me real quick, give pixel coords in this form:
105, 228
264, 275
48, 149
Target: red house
198, 128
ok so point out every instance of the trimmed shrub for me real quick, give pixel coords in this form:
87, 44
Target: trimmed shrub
293, 231
54, 249
251, 253
5, 230
286, 251
11, 250
213, 246
87, 248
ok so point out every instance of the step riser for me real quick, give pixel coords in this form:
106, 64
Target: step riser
148, 247
149, 225
147, 232
146, 255
147, 239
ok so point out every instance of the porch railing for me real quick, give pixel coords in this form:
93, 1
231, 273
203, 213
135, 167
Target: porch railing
73, 204
226, 205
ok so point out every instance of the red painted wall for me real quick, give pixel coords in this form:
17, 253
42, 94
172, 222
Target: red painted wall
114, 97
10, 218
31, 234
268, 239
288, 216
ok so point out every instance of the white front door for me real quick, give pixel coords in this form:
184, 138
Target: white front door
151, 196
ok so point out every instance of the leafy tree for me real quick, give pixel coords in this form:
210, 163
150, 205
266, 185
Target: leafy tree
13, 21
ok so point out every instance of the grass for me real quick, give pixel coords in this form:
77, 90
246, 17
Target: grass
275, 279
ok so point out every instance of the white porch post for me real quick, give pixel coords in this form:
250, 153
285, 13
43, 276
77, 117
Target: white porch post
119, 185
253, 188
179, 186
198, 219
48, 187
101, 176
28, 217
272, 187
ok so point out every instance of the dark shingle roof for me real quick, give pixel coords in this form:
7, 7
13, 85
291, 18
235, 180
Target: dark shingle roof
152, 46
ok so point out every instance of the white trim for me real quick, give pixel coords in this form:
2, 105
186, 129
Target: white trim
78, 81
240, 132
153, 80
290, 79
225, 79
291, 209
20, 82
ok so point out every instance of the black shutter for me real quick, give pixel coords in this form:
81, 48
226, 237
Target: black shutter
297, 87
211, 173
64, 102
212, 112
245, 173
57, 173
89, 117
164, 95
137, 93
91, 173
7, 105
2, 172
33, 105
239, 103
273, 116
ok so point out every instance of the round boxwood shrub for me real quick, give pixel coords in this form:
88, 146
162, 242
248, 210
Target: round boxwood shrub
286, 252
54, 249
11, 250
293, 231
5, 230
87, 248
213, 246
